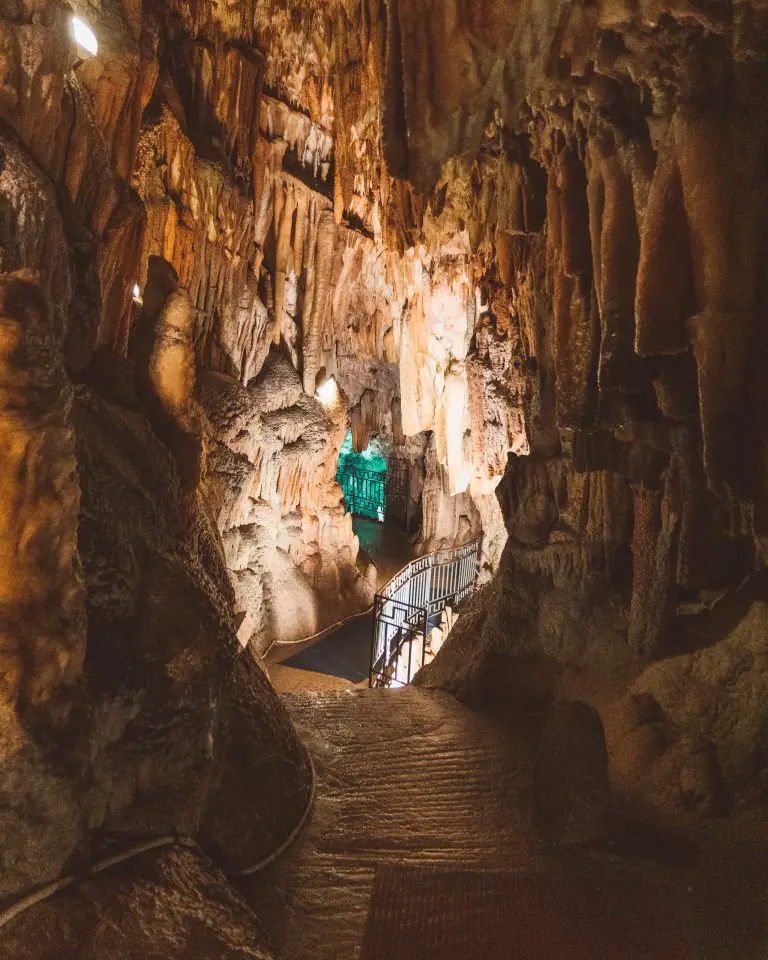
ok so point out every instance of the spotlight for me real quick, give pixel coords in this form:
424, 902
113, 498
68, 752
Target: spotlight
327, 392
136, 294
84, 36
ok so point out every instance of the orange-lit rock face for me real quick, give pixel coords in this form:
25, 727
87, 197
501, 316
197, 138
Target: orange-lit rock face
41, 593
289, 544
525, 241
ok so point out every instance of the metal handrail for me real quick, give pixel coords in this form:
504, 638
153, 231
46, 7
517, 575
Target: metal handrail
413, 597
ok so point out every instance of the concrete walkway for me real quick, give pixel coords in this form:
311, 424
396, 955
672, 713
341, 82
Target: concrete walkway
412, 776
401, 775
346, 653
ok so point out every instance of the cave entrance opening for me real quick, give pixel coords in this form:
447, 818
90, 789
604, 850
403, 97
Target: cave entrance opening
363, 478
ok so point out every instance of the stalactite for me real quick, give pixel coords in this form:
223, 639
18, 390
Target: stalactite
315, 315
664, 299
569, 272
284, 214
619, 253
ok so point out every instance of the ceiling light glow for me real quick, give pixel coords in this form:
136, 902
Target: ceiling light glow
84, 36
327, 392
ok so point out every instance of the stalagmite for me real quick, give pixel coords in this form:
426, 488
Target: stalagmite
654, 547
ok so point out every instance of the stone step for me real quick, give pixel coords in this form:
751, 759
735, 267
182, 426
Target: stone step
401, 776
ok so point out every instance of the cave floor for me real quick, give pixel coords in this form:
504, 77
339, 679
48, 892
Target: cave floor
413, 777
386, 544
343, 654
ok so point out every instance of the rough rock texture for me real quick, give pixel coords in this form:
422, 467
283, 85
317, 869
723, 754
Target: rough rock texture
114, 723
526, 242
713, 702
262, 754
288, 542
570, 776
616, 253
162, 905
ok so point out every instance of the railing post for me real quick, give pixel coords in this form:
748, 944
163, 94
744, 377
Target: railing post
409, 600
410, 655
374, 639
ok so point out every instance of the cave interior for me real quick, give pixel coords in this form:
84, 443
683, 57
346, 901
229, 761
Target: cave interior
510, 256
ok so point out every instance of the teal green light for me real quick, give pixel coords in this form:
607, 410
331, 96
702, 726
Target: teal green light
363, 495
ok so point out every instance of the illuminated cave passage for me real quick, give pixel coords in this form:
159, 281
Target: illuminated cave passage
363, 478
515, 249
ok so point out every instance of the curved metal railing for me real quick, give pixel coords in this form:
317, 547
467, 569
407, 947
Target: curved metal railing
409, 605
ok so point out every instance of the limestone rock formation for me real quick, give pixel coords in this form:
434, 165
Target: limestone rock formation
601, 231
288, 542
716, 696
570, 778
166, 904
525, 241
43, 598
114, 714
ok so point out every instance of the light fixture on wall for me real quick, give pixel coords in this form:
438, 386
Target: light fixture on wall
327, 393
136, 294
85, 38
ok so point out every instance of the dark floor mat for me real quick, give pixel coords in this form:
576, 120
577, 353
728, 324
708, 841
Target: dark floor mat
345, 653
420, 913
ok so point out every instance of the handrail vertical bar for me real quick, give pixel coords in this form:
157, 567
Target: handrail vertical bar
410, 656
417, 593
374, 639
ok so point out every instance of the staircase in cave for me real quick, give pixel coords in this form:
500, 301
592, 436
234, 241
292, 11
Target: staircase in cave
412, 784
418, 845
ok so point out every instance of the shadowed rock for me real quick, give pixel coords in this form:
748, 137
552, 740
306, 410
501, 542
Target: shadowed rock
570, 777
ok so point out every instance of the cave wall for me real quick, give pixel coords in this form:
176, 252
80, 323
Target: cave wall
122, 690
526, 242
532, 239
612, 185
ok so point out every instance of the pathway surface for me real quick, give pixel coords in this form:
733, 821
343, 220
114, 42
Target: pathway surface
346, 653
388, 546
411, 776
292, 680
401, 775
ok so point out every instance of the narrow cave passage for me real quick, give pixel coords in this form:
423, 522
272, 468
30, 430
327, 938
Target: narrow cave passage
376, 495
363, 478
416, 346
344, 654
